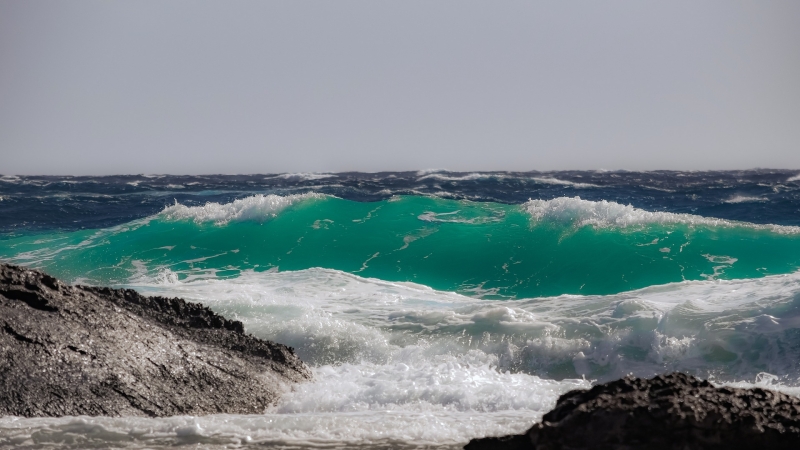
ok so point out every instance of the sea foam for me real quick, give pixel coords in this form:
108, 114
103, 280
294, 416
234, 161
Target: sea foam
334, 318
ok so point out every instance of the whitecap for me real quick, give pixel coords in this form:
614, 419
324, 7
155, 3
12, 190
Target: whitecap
428, 171
467, 177
606, 214
302, 176
10, 179
255, 208
556, 181
745, 199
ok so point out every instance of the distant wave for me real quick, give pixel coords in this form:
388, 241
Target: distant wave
13, 179
302, 176
549, 180
500, 176
467, 177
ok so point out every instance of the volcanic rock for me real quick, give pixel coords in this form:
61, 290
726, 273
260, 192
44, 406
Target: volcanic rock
669, 412
76, 350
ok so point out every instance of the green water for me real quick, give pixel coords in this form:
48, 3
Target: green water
480, 249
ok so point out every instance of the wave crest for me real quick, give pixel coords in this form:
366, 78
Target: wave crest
605, 214
256, 208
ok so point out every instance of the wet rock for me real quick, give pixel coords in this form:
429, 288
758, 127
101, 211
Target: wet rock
675, 412
75, 350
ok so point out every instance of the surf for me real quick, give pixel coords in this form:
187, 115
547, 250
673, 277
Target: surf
403, 365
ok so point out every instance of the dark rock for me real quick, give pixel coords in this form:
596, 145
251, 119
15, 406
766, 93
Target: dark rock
75, 350
675, 412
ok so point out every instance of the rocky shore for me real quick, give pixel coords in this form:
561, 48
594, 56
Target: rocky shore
670, 412
76, 350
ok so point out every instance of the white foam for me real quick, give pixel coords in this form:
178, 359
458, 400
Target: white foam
745, 199
794, 178
428, 171
454, 217
256, 208
423, 385
335, 318
303, 176
364, 430
550, 180
17, 180
436, 175
766, 380
605, 214
467, 177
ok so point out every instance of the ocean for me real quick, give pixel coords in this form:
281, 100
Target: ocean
433, 307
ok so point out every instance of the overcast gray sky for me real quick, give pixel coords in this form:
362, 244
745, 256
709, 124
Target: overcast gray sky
102, 87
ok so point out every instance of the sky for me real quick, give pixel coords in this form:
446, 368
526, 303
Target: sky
192, 87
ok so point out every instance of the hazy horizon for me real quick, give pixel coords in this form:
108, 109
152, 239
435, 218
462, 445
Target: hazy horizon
419, 172
100, 88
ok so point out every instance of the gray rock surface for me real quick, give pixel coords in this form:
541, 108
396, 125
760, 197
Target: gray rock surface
675, 412
75, 350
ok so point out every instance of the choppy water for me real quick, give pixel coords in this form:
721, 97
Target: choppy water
433, 307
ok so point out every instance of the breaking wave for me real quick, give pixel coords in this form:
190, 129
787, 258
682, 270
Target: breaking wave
480, 249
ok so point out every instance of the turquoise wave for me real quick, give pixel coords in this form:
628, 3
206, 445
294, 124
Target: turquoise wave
488, 250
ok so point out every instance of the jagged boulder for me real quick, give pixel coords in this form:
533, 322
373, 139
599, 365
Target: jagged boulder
76, 350
669, 412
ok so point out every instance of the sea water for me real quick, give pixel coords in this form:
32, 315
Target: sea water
432, 307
